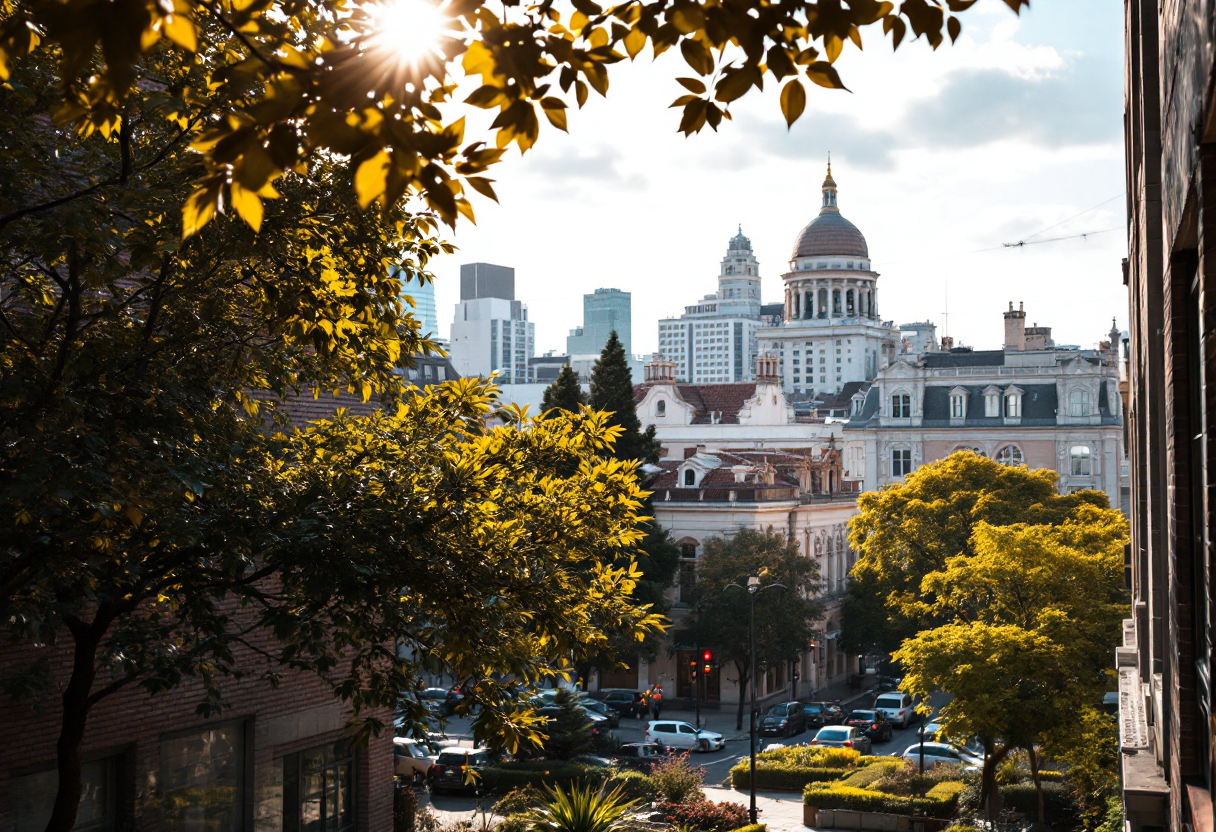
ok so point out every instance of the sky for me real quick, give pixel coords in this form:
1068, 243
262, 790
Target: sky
942, 158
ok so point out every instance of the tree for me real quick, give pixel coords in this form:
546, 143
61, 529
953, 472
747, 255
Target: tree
304, 81
783, 622
149, 495
907, 530
612, 391
569, 731
564, 393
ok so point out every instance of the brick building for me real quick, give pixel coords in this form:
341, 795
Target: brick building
1165, 662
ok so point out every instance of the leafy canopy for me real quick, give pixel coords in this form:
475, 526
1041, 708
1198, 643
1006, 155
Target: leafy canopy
297, 80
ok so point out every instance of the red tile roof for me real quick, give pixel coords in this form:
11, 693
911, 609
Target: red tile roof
705, 399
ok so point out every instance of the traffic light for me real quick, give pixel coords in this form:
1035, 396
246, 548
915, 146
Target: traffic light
708, 658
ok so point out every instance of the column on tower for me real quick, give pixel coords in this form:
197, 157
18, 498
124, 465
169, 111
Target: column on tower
787, 303
810, 300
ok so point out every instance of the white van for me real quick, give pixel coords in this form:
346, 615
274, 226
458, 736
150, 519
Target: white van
898, 707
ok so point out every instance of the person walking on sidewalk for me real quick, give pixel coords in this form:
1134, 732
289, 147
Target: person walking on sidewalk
656, 700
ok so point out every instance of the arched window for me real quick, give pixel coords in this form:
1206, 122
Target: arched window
690, 477
1078, 402
972, 449
1010, 455
660, 407
901, 406
1080, 462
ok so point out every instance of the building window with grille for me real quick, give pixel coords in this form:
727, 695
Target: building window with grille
1010, 455
901, 462
1080, 464
1078, 403
1013, 405
319, 789
958, 407
901, 406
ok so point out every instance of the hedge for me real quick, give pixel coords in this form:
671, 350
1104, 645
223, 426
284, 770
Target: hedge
504, 777
811, 756
634, 785
863, 778
779, 774
751, 827
1058, 802
939, 803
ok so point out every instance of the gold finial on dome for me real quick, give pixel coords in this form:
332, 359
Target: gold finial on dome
829, 190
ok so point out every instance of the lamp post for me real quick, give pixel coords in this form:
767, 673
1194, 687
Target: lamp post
753, 589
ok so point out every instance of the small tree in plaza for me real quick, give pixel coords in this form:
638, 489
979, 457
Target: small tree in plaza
784, 620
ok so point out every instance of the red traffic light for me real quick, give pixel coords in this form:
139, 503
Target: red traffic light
707, 656
708, 668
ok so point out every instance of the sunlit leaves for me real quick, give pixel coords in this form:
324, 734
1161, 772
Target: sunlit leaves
793, 101
286, 83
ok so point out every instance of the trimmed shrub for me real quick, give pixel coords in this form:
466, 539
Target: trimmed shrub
506, 777
1059, 804
811, 756
752, 827
634, 785
783, 771
835, 796
961, 827
705, 815
863, 778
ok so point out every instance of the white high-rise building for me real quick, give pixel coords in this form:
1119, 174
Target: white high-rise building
715, 339
491, 331
831, 334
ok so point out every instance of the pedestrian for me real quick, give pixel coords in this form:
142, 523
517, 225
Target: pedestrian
656, 700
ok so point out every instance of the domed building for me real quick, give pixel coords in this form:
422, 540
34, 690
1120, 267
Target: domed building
831, 333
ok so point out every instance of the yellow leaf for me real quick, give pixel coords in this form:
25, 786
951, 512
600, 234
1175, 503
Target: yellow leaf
370, 178
248, 204
198, 209
634, 42
793, 101
179, 29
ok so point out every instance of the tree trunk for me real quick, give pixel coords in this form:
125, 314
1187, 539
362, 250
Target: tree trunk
71, 733
1038, 782
990, 795
744, 678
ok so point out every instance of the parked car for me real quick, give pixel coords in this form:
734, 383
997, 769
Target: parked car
874, 724
628, 703
640, 756
941, 753
599, 724
597, 707
843, 736
819, 714
451, 770
784, 720
898, 706
671, 734
884, 683
413, 759
934, 733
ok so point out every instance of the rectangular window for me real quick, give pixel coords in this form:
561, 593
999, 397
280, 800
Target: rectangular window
957, 407
688, 581
318, 789
202, 779
901, 462
1080, 463
992, 405
33, 797
1013, 406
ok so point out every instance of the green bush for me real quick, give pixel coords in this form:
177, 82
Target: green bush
961, 827
634, 785
781, 771
676, 780
752, 827
704, 815
506, 777
836, 796
581, 808
1059, 804
514, 823
518, 801
811, 756
863, 778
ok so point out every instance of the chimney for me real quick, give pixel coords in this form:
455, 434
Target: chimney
947, 343
1015, 328
766, 368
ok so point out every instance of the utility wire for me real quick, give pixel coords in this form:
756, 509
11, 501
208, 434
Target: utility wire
1026, 240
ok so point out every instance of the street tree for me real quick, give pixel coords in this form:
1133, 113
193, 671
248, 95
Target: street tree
373, 82
785, 619
565, 393
612, 392
908, 530
148, 494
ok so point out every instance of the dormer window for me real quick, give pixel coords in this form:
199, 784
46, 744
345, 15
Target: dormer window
660, 408
992, 403
1013, 403
901, 406
1078, 402
690, 477
958, 404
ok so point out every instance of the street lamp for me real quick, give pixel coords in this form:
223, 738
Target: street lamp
753, 589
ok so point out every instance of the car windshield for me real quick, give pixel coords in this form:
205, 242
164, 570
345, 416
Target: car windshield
832, 734
778, 710
813, 709
453, 758
868, 716
892, 702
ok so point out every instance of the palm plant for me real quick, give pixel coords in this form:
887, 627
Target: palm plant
581, 809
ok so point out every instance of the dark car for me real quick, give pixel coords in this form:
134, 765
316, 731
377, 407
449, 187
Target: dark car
451, 772
819, 714
874, 724
640, 756
784, 720
628, 703
597, 707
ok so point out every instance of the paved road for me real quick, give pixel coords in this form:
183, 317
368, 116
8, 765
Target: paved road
782, 811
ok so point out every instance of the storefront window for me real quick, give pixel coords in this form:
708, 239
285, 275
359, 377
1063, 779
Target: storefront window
34, 797
202, 780
318, 789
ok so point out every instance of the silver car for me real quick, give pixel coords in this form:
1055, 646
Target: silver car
941, 753
673, 734
843, 736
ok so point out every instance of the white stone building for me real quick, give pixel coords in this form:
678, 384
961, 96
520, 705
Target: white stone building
714, 341
832, 333
492, 335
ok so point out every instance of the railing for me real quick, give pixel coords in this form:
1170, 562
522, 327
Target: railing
834, 497
726, 495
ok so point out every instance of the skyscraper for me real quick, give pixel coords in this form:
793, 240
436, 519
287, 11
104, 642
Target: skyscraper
604, 311
424, 305
491, 331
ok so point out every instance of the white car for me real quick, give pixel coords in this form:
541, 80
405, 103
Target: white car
672, 734
898, 707
941, 753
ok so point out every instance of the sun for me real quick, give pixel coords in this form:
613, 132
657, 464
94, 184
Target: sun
412, 29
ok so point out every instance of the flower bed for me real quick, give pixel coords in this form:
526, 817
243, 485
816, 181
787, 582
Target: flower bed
705, 815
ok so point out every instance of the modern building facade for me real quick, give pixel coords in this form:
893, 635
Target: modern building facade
831, 333
1029, 403
714, 341
491, 332
1166, 661
604, 311
423, 296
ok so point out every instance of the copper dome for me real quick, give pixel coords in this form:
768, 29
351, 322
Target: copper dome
830, 234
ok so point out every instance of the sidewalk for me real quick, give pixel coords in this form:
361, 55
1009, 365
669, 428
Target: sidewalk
779, 811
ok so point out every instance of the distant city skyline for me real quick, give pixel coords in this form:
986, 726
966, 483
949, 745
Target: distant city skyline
944, 157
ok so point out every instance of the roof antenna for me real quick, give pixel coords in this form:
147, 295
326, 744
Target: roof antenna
946, 311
